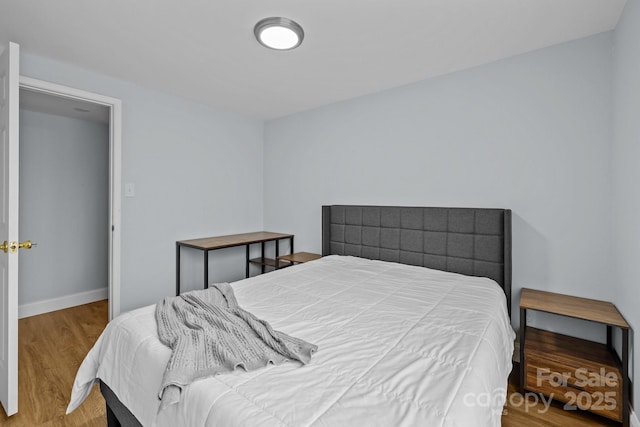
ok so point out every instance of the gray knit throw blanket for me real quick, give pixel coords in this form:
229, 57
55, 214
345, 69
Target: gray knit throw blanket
210, 334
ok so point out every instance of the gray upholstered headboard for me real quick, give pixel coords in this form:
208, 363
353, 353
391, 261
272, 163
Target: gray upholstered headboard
475, 242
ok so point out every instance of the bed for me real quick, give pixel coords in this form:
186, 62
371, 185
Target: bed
399, 344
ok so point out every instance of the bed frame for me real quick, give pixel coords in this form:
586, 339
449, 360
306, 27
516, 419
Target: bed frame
475, 242
118, 415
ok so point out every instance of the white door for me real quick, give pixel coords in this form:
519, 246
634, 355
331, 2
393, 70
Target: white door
9, 111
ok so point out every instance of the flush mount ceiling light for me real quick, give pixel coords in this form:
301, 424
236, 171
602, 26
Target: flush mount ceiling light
279, 33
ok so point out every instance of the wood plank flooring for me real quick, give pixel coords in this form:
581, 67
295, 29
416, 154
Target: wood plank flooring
518, 414
50, 350
53, 345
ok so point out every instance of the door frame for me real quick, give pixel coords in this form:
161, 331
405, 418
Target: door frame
115, 171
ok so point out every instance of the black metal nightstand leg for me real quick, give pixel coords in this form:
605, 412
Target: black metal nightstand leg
625, 378
523, 327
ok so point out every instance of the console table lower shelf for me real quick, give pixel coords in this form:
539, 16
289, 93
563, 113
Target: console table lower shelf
270, 262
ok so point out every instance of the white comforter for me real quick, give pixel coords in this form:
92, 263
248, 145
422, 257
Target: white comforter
398, 346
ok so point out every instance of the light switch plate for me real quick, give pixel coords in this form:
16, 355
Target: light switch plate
129, 190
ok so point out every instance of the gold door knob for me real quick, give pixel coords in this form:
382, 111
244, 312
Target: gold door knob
4, 246
26, 244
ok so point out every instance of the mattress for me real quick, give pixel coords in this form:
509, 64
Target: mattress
397, 346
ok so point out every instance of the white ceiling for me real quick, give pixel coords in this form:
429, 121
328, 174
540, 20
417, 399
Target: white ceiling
205, 50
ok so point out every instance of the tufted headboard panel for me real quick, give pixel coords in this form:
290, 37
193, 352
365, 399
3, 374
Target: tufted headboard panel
471, 241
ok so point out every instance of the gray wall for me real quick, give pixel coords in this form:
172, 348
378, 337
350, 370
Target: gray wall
624, 286
197, 172
64, 184
531, 133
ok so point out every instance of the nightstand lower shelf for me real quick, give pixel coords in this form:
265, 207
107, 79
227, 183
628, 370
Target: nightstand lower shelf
583, 374
299, 257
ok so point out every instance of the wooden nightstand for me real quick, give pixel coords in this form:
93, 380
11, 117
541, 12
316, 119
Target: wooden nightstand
299, 257
583, 374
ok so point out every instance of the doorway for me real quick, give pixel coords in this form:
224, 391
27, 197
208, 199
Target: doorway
83, 251
64, 185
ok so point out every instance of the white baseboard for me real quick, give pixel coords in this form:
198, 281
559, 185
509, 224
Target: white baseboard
45, 306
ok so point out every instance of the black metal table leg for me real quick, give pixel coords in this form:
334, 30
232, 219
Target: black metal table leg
262, 256
206, 269
177, 269
277, 253
247, 267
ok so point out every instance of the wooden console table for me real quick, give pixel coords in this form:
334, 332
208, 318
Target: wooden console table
576, 371
208, 244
